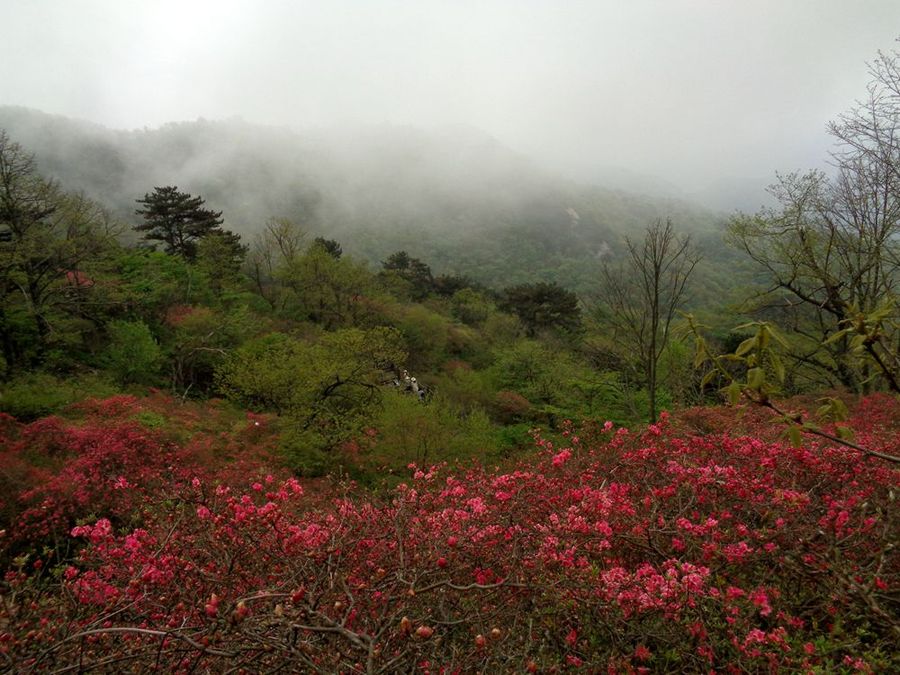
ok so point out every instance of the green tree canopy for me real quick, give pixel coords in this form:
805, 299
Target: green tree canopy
221, 255
326, 388
177, 219
543, 305
323, 288
50, 244
413, 270
330, 246
133, 354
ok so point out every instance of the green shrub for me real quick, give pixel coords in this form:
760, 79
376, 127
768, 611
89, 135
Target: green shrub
510, 406
426, 334
133, 354
514, 437
427, 433
40, 394
150, 419
305, 452
464, 387
471, 307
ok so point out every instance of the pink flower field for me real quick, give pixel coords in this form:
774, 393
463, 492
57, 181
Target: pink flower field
664, 550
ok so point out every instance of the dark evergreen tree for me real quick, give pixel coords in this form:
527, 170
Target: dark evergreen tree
417, 273
446, 285
177, 219
330, 246
543, 305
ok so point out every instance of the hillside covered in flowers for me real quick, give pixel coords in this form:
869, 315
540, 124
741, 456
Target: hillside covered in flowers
148, 534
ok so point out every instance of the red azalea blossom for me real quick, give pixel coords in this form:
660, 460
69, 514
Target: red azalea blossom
641, 653
203, 555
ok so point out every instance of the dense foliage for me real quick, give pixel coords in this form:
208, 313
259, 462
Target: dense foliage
298, 328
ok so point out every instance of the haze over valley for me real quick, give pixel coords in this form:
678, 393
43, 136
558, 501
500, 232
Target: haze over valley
376, 190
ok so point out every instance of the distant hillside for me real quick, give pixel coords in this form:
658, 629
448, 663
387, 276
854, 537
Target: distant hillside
454, 197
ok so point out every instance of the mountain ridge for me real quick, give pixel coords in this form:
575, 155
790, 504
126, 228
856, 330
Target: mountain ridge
453, 196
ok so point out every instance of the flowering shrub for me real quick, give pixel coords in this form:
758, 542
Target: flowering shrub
58, 472
630, 552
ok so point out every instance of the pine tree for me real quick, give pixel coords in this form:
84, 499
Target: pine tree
417, 273
177, 219
543, 306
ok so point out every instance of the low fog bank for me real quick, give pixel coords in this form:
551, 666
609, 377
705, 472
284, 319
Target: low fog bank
451, 179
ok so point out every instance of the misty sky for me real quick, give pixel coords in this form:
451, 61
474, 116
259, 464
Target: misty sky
694, 92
